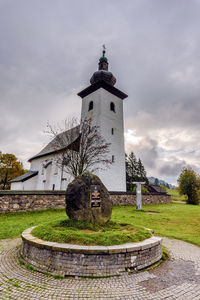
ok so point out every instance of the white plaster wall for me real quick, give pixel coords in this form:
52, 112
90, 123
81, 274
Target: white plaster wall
46, 178
30, 184
27, 185
114, 178
16, 186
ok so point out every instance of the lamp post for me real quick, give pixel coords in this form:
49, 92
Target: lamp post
138, 195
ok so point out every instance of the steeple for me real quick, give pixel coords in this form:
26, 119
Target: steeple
103, 62
103, 74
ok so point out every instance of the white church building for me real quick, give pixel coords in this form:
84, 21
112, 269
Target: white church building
102, 103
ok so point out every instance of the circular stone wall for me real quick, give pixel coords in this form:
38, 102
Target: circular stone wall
76, 260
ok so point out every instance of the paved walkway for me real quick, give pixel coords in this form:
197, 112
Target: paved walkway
178, 278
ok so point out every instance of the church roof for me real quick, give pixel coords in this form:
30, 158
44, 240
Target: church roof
25, 176
103, 75
102, 79
102, 84
62, 141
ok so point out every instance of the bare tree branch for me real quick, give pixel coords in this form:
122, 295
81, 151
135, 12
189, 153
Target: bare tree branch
79, 148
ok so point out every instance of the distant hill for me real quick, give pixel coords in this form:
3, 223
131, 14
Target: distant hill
157, 181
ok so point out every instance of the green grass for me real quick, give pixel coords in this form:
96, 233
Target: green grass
175, 220
176, 196
13, 224
83, 233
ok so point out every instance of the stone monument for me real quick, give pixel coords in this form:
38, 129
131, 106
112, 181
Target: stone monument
138, 195
87, 199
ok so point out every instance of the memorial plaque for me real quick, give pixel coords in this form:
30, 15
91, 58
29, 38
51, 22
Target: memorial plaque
95, 196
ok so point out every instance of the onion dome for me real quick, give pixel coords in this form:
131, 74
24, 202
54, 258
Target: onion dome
103, 74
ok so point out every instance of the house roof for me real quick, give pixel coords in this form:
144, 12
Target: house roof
156, 189
25, 176
61, 142
102, 84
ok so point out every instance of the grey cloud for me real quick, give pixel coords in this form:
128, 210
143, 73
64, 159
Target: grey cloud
146, 150
172, 167
49, 50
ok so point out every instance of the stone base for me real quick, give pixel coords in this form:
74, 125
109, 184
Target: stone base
76, 260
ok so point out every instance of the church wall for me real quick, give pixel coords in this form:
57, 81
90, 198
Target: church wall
30, 183
101, 115
17, 185
12, 201
48, 178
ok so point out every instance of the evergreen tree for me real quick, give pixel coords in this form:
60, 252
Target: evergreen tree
167, 185
141, 173
135, 171
131, 170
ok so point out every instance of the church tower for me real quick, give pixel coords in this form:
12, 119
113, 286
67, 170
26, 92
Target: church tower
103, 104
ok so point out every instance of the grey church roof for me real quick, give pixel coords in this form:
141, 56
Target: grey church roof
102, 84
62, 141
103, 73
25, 176
102, 79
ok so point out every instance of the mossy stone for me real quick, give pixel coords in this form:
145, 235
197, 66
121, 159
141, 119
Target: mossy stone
78, 200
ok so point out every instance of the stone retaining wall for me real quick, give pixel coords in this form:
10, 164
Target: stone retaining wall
12, 201
119, 198
75, 260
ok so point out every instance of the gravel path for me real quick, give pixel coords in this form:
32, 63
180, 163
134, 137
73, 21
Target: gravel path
178, 278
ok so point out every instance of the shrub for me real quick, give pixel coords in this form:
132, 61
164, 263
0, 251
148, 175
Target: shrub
189, 184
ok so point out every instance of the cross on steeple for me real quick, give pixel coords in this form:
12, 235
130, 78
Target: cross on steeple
104, 49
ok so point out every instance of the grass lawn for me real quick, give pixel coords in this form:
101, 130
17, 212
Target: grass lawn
176, 196
179, 221
174, 220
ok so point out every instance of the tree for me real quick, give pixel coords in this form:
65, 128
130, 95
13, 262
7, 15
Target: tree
135, 171
80, 148
141, 173
189, 184
131, 170
156, 181
10, 168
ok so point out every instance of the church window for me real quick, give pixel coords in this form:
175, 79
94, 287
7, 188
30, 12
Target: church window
90, 106
112, 131
112, 106
113, 158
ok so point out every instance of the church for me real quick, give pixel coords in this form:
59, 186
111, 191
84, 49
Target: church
102, 103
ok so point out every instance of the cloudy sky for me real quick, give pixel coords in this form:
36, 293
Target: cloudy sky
49, 50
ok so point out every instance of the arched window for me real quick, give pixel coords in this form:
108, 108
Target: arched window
112, 106
90, 106
112, 131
